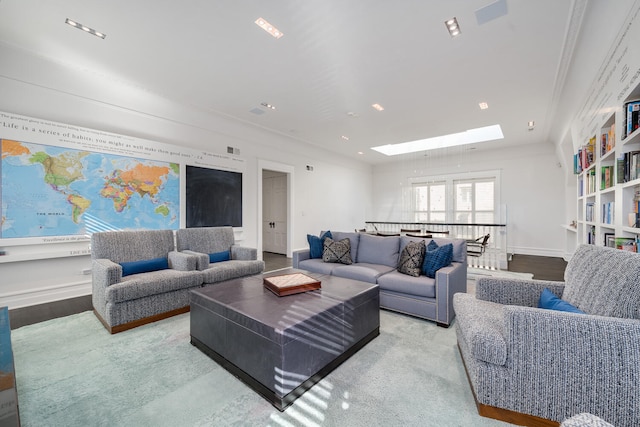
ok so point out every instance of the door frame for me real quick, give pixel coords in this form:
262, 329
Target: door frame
289, 171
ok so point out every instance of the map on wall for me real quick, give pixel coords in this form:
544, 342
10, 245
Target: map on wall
55, 191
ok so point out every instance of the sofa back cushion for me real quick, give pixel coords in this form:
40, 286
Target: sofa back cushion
206, 240
604, 281
379, 250
459, 245
135, 245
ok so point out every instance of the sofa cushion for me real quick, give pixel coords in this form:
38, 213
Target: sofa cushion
354, 239
459, 245
317, 266
549, 301
361, 271
412, 258
227, 270
379, 250
316, 244
420, 286
219, 256
144, 266
337, 251
436, 259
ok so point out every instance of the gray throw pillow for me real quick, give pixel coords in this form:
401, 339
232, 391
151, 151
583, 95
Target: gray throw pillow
337, 251
411, 258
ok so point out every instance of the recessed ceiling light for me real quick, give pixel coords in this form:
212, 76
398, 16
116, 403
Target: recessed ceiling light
262, 23
267, 105
85, 28
531, 124
360, 152
452, 26
471, 136
377, 107
346, 138
483, 105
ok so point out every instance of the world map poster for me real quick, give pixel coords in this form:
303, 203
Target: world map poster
56, 191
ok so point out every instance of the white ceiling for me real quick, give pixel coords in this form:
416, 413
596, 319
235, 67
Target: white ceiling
336, 57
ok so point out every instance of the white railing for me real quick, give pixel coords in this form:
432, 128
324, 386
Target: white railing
494, 256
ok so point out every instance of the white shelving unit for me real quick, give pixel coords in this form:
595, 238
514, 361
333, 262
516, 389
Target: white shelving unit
594, 223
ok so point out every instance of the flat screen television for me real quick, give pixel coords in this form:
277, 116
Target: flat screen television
213, 197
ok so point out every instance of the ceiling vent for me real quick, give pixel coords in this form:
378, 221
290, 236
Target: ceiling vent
492, 11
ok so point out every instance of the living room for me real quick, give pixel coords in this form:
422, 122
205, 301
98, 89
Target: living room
59, 76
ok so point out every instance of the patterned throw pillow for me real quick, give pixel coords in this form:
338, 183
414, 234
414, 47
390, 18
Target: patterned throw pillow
411, 258
337, 251
436, 259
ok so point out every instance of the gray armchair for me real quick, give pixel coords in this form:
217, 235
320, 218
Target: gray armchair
157, 284
528, 365
210, 244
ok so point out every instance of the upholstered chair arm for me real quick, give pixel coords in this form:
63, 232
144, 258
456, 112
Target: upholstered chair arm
579, 362
449, 281
243, 253
182, 261
300, 255
520, 292
202, 260
105, 273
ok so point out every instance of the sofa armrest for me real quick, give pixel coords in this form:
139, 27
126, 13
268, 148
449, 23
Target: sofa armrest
202, 260
244, 253
449, 281
300, 255
182, 261
105, 273
520, 292
569, 354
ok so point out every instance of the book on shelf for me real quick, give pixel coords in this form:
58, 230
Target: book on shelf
609, 240
608, 212
632, 109
606, 173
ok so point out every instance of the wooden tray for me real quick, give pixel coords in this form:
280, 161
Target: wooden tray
289, 284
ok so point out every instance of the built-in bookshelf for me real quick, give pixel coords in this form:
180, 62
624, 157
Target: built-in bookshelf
607, 166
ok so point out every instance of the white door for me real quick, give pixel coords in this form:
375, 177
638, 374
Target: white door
274, 212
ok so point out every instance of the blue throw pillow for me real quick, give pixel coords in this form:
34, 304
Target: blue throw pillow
219, 256
316, 244
549, 301
144, 266
435, 259
432, 245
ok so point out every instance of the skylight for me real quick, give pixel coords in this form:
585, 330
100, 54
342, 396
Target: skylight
471, 136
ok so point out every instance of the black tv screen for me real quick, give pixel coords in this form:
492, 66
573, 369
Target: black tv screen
213, 197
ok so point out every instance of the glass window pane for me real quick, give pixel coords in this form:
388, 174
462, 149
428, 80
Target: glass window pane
463, 196
484, 217
422, 201
438, 217
438, 202
484, 196
463, 217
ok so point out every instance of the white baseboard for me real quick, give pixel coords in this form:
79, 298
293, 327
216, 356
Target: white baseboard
43, 295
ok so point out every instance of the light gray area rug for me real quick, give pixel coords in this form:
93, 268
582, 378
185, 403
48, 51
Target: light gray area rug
71, 372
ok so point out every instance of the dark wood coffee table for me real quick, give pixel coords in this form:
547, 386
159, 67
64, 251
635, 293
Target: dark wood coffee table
282, 346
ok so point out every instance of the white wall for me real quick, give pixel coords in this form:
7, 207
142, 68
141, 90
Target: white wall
532, 188
337, 194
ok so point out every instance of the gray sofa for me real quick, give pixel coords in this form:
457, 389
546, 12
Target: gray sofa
160, 276
375, 259
533, 365
124, 302
203, 241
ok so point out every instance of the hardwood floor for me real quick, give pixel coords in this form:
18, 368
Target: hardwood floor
542, 267
275, 261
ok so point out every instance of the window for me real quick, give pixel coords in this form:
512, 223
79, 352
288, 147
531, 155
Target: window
430, 202
456, 200
474, 201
